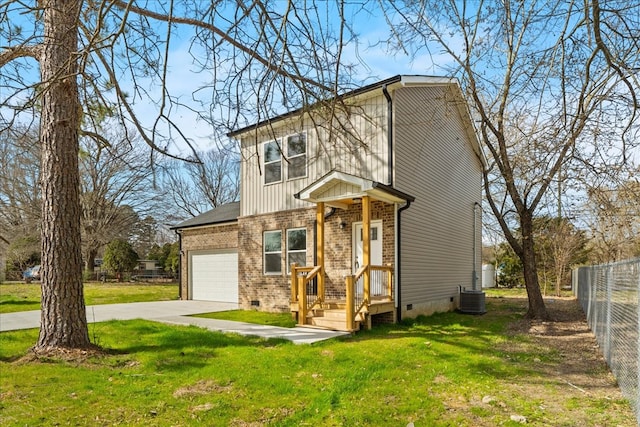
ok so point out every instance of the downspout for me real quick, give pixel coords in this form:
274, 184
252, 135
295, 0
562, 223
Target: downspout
389, 133
179, 264
406, 206
399, 261
474, 278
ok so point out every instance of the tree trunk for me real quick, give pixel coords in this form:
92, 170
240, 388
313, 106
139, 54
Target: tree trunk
537, 309
89, 261
63, 318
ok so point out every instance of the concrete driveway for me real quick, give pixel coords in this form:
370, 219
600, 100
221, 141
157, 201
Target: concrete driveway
176, 313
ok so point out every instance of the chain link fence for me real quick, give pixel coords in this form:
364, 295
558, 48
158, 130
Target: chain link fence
609, 295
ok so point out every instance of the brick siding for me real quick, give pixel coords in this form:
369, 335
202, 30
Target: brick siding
272, 292
204, 238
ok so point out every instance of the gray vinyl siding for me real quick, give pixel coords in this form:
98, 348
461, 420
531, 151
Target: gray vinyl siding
435, 163
357, 146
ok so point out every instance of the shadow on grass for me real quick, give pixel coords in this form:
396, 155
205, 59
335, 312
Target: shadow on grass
171, 347
20, 302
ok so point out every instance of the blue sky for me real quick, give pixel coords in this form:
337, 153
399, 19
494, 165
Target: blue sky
374, 59
375, 63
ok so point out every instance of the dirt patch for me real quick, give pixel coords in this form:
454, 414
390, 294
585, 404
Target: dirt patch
201, 388
565, 354
78, 356
568, 338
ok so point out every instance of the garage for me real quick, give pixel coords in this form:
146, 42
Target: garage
214, 275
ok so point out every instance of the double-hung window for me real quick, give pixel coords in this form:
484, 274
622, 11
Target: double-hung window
272, 247
294, 148
297, 156
296, 247
272, 162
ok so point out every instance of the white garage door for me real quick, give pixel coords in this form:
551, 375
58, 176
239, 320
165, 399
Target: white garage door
214, 276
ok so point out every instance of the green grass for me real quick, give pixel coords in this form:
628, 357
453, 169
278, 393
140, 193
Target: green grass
283, 320
432, 371
22, 297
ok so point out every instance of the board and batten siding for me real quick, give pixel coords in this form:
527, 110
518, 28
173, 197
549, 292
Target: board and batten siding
363, 152
435, 162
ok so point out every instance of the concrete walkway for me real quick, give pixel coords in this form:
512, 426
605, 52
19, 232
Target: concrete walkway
176, 313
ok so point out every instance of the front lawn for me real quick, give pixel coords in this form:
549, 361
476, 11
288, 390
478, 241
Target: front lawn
445, 370
23, 297
283, 320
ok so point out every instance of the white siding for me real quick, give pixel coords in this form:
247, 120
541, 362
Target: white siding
435, 163
357, 145
341, 189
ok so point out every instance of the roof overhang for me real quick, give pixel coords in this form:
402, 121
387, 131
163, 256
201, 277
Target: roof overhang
339, 189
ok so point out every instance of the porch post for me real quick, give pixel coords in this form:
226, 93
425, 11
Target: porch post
366, 245
320, 247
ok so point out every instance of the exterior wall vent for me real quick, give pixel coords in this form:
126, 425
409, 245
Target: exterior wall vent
472, 302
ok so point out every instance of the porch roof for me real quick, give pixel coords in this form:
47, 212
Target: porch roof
340, 189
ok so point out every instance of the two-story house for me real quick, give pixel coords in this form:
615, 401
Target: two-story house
363, 208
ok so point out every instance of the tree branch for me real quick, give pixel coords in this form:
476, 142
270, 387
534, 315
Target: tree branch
9, 54
129, 7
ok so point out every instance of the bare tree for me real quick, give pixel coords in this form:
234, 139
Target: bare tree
548, 83
19, 190
615, 221
116, 189
198, 187
559, 245
98, 57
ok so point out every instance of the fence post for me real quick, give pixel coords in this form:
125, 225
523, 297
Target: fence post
607, 321
390, 281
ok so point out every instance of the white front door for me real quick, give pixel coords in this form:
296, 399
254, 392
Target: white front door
376, 244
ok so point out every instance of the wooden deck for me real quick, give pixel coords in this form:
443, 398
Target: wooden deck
368, 293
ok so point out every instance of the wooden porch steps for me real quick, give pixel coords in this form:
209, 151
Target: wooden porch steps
331, 318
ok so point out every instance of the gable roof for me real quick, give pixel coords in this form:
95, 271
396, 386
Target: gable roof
399, 80
228, 212
337, 187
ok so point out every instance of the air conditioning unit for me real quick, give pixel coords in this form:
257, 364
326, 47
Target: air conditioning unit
472, 302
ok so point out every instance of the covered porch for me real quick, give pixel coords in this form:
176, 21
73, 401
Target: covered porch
370, 288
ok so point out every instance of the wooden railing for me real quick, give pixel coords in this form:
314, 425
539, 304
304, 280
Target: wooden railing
381, 281
305, 290
370, 284
373, 281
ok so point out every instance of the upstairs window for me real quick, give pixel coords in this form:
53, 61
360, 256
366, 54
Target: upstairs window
272, 162
297, 156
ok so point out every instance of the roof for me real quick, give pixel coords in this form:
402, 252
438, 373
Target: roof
402, 80
228, 212
338, 188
